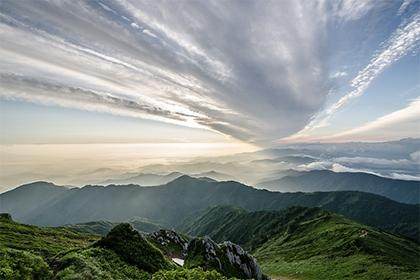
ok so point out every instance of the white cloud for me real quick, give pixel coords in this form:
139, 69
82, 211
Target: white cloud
415, 156
135, 25
210, 64
352, 9
339, 74
400, 43
404, 6
405, 177
392, 126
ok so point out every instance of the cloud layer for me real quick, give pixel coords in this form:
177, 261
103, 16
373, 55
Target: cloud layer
253, 70
255, 73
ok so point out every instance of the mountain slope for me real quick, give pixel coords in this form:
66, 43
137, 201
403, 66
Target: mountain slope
24, 199
310, 243
171, 203
325, 180
30, 252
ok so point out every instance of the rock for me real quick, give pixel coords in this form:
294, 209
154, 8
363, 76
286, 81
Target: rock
227, 258
170, 242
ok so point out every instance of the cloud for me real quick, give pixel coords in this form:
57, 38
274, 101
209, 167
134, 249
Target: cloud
404, 6
394, 125
400, 43
255, 71
352, 9
405, 177
339, 74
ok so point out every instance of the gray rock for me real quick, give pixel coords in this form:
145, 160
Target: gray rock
227, 258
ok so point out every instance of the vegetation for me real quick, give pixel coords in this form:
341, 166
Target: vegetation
312, 244
103, 227
188, 274
185, 196
45, 242
96, 263
133, 248
17, 264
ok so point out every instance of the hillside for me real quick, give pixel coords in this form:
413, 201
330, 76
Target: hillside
103, 227
306, 243
26, 198
324, 180
30, 252
169, 204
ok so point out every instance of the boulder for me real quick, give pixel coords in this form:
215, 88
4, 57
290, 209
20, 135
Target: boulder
171, 243
227, 258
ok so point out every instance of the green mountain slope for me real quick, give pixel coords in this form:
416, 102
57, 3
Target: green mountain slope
171, 203
30, 252
310, 243
25, 199
325, 180
103, 227
45, 242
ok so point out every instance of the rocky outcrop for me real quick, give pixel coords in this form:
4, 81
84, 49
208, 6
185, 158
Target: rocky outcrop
227, 258
171, 243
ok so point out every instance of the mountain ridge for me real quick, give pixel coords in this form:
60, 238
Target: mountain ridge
325, 180
169, 204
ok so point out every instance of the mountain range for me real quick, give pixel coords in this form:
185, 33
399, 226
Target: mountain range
325, 180
185, 197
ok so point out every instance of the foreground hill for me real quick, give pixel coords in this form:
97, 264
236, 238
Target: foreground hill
326, 180
310, 243
184, 197
30, 252
103, 227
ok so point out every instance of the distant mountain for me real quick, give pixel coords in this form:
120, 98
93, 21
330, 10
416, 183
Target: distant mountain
325, 180
218, 176
186, 196
310, 243
144, 179
149, 179
23, 200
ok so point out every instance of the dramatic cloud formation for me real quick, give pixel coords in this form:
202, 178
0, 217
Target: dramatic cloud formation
252, 70
255, 70
401, 42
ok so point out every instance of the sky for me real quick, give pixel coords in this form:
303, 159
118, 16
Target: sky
241, 74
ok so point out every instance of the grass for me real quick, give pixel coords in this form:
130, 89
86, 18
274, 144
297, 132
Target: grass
45, 242
96, 263
332, 247
310, 243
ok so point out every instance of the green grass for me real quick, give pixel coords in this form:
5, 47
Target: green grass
310, 243
134, 249
17, 264
188, 274
45, 242
96, 263
332, 247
